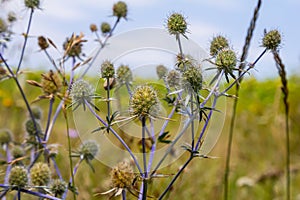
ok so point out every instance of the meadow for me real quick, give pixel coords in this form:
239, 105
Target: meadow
66, 134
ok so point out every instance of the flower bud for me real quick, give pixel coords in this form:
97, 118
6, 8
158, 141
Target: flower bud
11, 17
18, 176
226, 60
5, 136
40, 174
217, 44
29, 125
105, 28
124, 74
122, 175
177, 24
93, 28
107, 69
37, 113
120, 9
271, 40
32, 3
58, 187
17, 152
144, 102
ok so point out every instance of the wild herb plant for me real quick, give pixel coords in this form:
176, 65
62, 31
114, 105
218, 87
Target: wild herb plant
31, 166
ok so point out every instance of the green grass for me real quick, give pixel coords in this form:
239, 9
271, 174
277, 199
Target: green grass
258, 146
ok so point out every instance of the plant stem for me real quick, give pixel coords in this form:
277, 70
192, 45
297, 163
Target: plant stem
145, 176
117, 136
284, 88
175, 177
25, 40
70, 152
108, 101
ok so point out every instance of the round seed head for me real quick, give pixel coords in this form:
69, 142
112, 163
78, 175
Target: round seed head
161, 71
144, 102
271, 40
43, 43
40, 174
122, 175
93, 28
226, 60
124, 74
32, 3
193, 77
177, 24
29, 125
105, 28
174, 78
51, 83
81, 90
18, 176
217, 44
120, 9
58, 187
107, 69
89, 149
5, 136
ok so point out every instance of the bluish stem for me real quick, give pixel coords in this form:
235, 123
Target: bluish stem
99, 50
116, 135
8, 160
25, 41
145, 175
185, 127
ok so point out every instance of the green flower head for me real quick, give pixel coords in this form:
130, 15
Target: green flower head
271, 40
177, 24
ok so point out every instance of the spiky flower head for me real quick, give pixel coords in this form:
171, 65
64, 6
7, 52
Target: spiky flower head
271, 39
226, 60
3, 26
32, 4
93, 28
174, 78
81, 91
218, 43
18, 176
120, 9
37, 112
177, 24
29, 125
5, 136
105, 28
107, 69
161, 71
193, 78
17, 152
40, 174
51, 83
144, 102
124, 74
43, 43
122, 175
58, 187
88, 150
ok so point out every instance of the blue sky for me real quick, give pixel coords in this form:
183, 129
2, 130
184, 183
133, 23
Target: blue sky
58, 19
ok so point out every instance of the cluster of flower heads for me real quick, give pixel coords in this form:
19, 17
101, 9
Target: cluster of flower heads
39, 175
